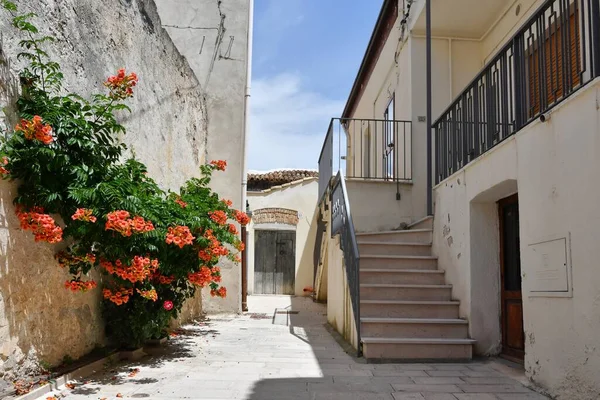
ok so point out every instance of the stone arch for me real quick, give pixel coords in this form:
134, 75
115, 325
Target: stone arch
275, 216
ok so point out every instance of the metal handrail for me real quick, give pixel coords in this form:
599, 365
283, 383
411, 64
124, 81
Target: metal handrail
342, 224
521, 83
367, 149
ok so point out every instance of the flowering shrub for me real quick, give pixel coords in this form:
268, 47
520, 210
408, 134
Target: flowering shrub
155, 249
42, 225
35, 129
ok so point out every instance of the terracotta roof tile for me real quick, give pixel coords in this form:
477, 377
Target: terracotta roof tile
265, 180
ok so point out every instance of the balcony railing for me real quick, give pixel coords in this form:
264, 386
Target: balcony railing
555, 53
369, 149
341, 224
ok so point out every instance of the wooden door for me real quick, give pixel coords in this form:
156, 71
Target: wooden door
513, 336
274, 262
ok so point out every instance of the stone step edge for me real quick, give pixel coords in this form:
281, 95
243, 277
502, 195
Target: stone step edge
403, 286
368, 242
420, 221
415, 321
84, 371
414, 302
404, 271
392, 257
79, 373
393, 232
375, 340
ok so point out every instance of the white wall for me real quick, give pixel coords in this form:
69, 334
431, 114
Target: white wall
340, 313
507, 25
374, 206
554, 167
301, 197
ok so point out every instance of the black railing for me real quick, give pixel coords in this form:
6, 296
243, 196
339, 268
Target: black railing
341, 224
553, 55
370, 149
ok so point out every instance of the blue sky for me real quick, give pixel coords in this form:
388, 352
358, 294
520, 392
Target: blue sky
305, 59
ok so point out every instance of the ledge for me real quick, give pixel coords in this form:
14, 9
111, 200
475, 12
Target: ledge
380, 181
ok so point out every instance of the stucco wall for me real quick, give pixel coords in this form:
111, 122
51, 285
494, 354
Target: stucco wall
553, 166
506, 26
400, 71
300, 197
213, 36
340, 314
374, 205
167, 130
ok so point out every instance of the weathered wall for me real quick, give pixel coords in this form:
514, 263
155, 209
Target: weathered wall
167, 130
553, 166
300, 197
374, 206
340, 313
213, 36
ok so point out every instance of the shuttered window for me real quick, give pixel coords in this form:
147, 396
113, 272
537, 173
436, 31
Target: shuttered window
562, 64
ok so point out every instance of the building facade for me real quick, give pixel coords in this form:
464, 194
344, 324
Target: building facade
282, 233
215, 37
176, 125
514, 135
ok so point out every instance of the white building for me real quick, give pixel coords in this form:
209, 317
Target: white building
282, 232
507, 265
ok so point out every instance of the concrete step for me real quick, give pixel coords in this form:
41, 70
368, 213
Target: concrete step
402, 276
408, 309
394, 249
397, 262
423, 223
404, 236
417, 349
430, 328
385, 291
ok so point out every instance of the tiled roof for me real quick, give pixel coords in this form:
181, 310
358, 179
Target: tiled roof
265, 180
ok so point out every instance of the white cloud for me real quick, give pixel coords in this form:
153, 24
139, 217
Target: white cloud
287, 123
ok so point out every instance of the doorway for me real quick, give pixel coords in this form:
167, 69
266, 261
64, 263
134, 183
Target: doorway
274, 262
511, 308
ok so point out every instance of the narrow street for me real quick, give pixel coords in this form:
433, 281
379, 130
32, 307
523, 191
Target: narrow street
269, 354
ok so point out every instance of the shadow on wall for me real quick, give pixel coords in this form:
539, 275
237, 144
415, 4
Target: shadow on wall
485, 267
39, 318
305, 274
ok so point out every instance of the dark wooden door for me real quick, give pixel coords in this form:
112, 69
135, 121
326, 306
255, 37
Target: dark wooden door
513, 336
274, 262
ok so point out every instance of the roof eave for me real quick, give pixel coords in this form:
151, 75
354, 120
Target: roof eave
381, 31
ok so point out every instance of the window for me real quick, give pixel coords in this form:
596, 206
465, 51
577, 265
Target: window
556, 71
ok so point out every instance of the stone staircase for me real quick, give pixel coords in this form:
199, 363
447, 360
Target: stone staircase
406, 307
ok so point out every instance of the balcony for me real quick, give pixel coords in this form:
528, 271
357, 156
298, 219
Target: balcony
554, 54
366, 149
470, 19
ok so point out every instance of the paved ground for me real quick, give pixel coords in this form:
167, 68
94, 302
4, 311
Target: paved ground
276, 356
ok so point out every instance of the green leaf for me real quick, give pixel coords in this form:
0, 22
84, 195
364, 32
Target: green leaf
8, 5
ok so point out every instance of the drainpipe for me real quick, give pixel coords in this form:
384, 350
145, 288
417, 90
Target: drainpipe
245, 143
429, 112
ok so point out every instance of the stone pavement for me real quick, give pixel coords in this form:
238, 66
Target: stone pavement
265, 355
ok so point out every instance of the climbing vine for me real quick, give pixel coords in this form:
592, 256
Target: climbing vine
154, 249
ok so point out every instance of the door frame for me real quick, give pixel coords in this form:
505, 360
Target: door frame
505, 352
273, 229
